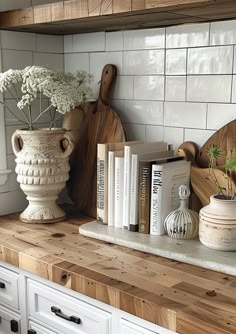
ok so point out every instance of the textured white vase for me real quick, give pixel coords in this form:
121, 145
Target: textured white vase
42, 169
217, 225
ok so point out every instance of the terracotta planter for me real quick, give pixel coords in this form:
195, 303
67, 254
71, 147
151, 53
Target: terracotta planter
42, 169
217, 225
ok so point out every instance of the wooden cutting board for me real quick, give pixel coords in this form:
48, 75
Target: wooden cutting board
99, 124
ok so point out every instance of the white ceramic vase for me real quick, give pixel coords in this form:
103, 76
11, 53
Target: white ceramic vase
217, 224
42, 169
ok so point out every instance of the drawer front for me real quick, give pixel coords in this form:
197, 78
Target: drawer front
128, 327
9, 323
37, 329
65, 313
9, 287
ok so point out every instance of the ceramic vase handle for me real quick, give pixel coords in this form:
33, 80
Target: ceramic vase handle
69, 145
15, 140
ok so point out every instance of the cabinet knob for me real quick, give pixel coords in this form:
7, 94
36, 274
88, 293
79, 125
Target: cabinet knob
14, 326
2, 285
60, 314
31, 331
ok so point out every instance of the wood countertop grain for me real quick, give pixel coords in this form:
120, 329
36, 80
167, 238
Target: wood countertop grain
182, 297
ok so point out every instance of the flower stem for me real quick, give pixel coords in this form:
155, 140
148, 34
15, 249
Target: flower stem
18, 119
30, 118
37, 118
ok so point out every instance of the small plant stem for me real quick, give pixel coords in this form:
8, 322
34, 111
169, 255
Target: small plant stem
16, 98
37, 118
18, 119
30, 118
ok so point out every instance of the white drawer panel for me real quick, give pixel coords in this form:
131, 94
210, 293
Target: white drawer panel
37, 329
9, 287
128, 327
42, 299
10, 323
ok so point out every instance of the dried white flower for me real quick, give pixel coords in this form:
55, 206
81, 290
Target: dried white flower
64, 90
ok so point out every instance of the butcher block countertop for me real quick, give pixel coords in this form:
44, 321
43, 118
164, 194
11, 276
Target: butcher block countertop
182, 297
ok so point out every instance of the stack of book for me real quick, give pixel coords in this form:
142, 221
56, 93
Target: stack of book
137, 184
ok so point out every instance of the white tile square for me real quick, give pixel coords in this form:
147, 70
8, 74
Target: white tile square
68, 44
115, 41
187, 35
76, 62
89, 42
184, 114
135, 132
144, 62
149, 88
144, 39
143, 112
54, 61
174, 136
223, 33
219, 114
154, 133
4, 188
176, 61
209, 88
50, 43
16, 59
18, 40
14, 185
175, 88
197, 136
234, 89
123, 88
234, 66
210, 60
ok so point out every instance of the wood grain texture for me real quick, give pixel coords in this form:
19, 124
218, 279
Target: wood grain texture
101, 124
172, 294
78, 16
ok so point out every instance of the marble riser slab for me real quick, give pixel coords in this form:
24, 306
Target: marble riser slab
188, 251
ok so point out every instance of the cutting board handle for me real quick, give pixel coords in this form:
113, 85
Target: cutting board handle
108, 76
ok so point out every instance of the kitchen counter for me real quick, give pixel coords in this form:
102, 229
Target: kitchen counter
182, 297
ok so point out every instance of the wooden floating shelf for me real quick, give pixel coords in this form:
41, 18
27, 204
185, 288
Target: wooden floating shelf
80, 16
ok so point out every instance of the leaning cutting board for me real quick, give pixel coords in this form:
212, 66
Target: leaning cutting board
100, 124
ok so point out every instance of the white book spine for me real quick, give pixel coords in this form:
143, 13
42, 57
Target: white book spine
126, 198
111, 187
133, 216
119, 190
166, 180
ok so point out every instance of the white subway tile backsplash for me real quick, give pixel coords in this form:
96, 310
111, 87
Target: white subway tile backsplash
68, 44
176, 61
16, 59
218, 114
54, 61
234, 89
174, 136
175, 88
209, 88
223, 33
144, 39
50, 43
210, 60
18, 40
135, 131
154, 133
144, 62
197, 136
187, 35
76, 62
234, 66
14, 185
90, 42
115, 41
123, 88
149, 88
143, 112
185, 114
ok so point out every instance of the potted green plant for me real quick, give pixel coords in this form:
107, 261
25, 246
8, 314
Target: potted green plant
42, 161
217, 225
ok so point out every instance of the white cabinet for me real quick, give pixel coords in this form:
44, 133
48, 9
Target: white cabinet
32, 305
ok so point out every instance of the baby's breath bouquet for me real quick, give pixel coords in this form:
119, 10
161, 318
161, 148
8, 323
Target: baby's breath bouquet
63, 90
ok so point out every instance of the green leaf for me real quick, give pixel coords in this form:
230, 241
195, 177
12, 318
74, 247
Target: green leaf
231, 164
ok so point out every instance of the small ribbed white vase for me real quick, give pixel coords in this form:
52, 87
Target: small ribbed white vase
182, 223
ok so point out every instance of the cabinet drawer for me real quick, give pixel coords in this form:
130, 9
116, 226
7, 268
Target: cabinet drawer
9, 287
65, 313
10, 323
128, 327
37, 329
